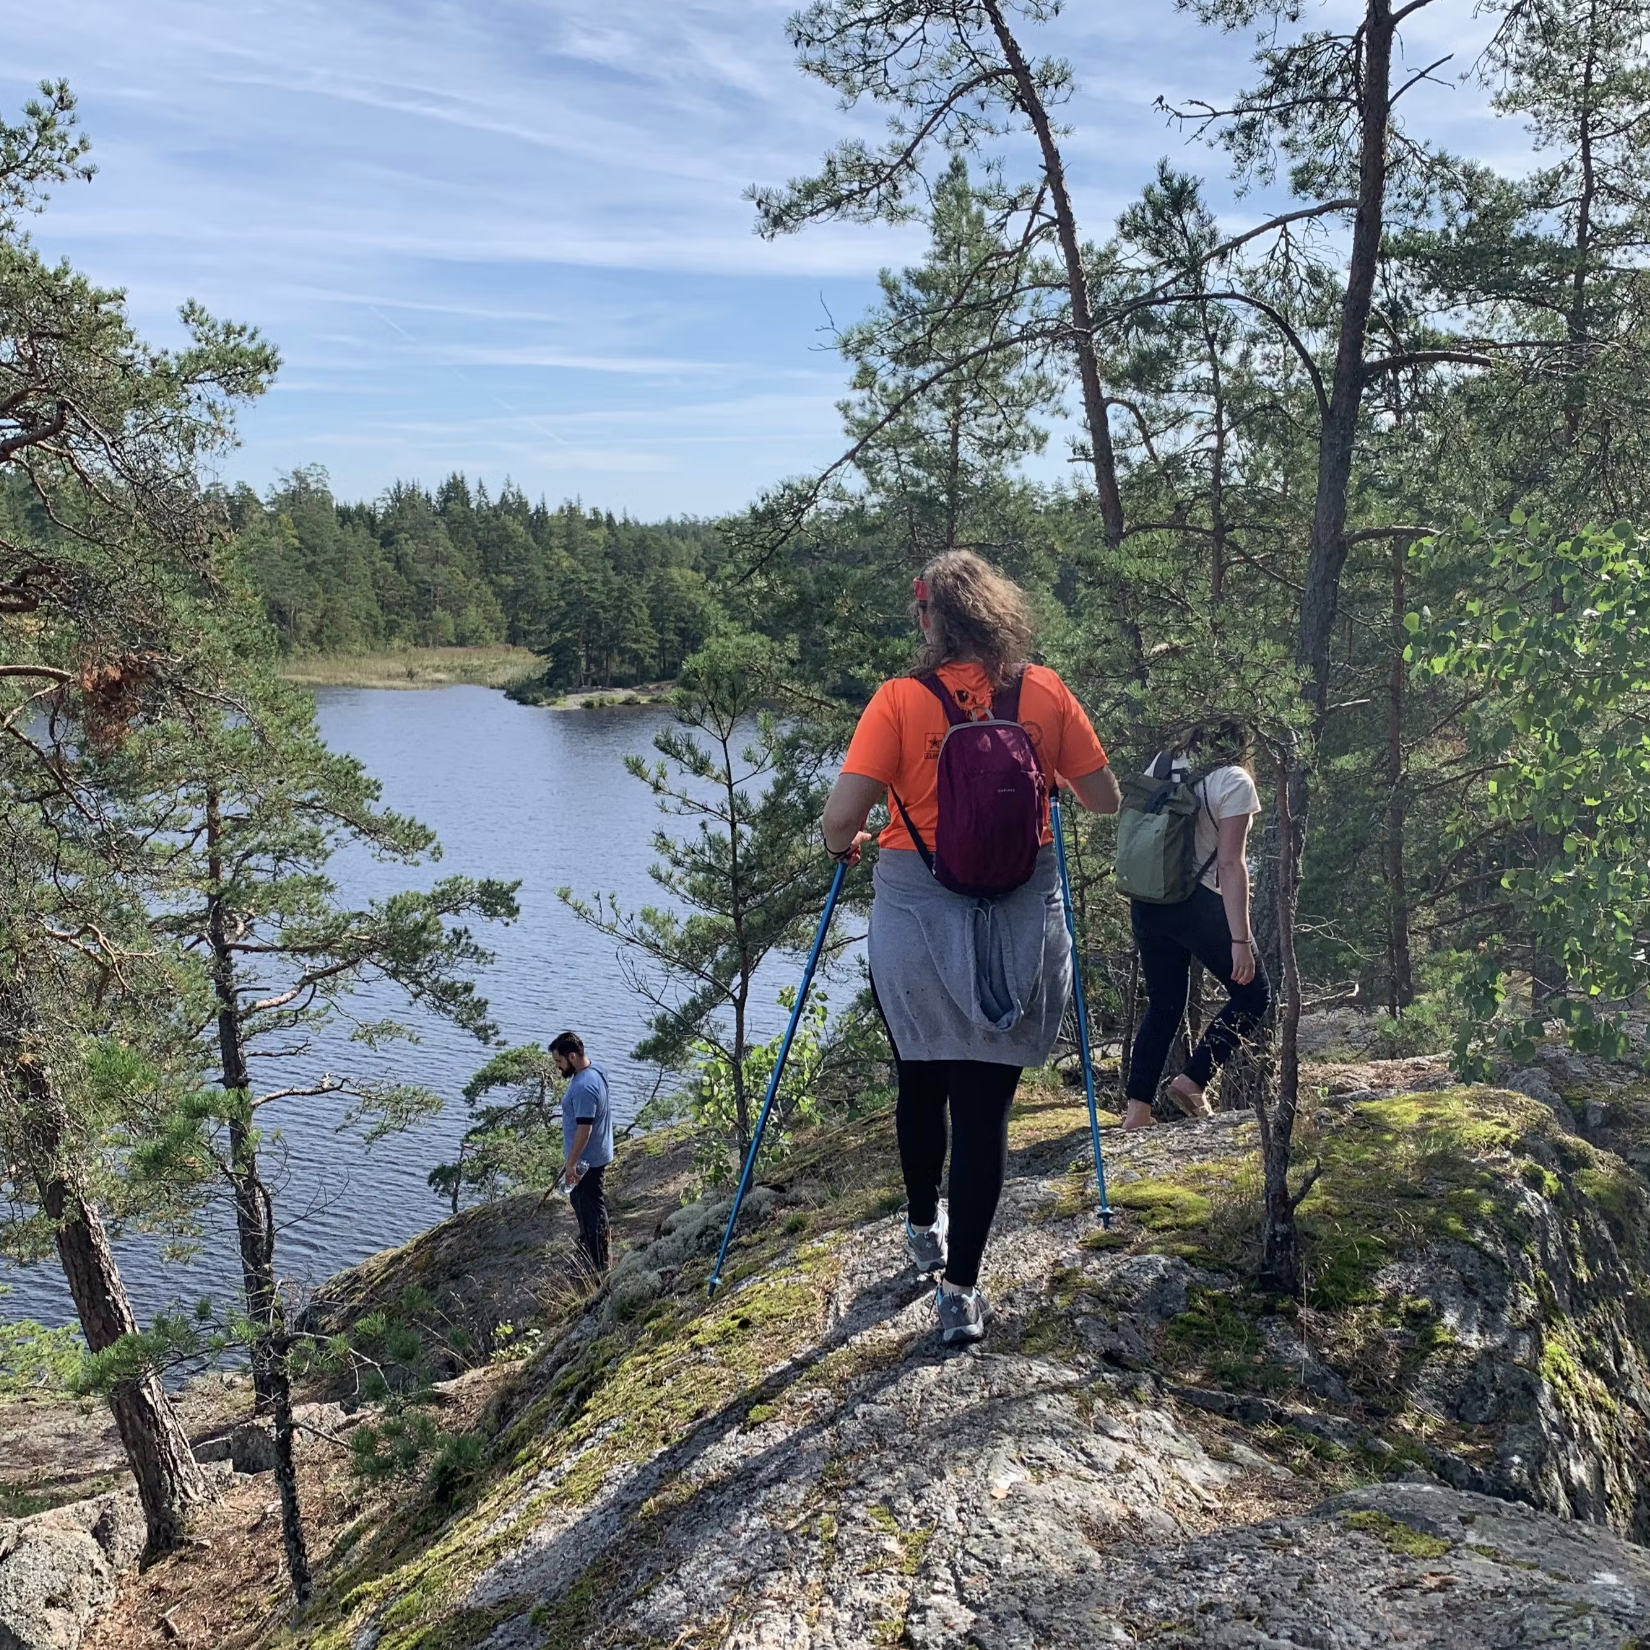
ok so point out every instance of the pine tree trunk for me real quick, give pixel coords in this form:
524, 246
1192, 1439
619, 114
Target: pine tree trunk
1326, 556
169, 1481
286, 1471
1096, 406
1131, 1021
255, 1237
1400, 968
1320, 599
1095, 414
254, 1217
168, 1478
1280, 1266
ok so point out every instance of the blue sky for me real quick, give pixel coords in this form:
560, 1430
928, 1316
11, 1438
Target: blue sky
507, 236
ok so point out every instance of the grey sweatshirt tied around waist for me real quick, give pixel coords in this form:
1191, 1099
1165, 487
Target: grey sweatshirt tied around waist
969, 979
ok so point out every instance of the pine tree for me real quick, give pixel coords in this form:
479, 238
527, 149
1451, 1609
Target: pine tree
748, 876
108, 551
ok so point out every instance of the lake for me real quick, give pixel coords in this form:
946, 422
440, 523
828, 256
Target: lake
513, 792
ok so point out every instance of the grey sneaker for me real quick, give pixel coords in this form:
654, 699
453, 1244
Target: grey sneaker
927, 1249
962, 1317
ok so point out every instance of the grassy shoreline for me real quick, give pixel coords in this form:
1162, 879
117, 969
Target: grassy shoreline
438, 667
416, 667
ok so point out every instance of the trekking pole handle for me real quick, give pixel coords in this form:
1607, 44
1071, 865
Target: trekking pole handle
778, 1070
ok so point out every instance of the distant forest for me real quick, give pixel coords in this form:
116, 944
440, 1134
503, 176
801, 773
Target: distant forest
603, 598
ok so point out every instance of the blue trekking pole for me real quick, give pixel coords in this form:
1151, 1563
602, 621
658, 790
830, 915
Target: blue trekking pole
779, 1069
1082, 1010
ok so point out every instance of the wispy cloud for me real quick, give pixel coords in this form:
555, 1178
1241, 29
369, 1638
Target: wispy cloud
512, 236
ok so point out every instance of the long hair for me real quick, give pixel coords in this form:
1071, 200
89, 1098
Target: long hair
974, 612
1219, 742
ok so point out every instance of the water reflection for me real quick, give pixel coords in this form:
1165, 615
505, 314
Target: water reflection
512, 792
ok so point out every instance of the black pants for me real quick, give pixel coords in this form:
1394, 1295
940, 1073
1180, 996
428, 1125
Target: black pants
1169, 936
978, 1096
590, 1205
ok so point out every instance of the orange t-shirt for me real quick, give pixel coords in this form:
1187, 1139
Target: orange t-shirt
898, 739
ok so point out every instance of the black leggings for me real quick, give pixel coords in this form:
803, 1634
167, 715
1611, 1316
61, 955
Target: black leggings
979, 1095
1169, 936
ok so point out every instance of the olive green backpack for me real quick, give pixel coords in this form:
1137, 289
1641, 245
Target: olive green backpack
1157, 836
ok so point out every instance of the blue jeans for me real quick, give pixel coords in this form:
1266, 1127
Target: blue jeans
1169, 936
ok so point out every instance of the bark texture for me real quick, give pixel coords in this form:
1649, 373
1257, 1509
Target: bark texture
169, 1480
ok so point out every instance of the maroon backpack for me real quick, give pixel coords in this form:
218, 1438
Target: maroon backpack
992, 796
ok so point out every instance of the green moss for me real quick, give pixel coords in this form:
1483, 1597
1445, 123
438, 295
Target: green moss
1163, 1205
1396, 1537
913, 1544
1216, 1336
678, 1373
1575, 1386
1618, 1195
1410, 1170
1540, 1179
1100, 1238
1301, 1446
566, 1621
1076, 1193
1048, 1333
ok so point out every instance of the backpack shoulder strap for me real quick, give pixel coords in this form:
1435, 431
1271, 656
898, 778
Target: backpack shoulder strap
1005, 702
1199, 781
954, 713
912, 831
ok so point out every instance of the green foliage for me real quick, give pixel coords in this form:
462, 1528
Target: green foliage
603, 600
112, 600
179, 1338
1428, 1025
1547, 646
36, 1361
514, 1143
743, 883
712, 1102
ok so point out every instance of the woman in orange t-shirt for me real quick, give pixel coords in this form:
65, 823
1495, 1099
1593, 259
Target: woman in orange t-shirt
972, 990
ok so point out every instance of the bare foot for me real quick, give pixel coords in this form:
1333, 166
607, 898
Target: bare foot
1189, 1097
1139, 1115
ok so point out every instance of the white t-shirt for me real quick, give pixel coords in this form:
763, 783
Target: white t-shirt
1227, 793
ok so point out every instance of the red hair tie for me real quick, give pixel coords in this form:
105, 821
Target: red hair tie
919, 589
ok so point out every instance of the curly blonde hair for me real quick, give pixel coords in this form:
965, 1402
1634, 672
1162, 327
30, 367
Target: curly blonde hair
974, 612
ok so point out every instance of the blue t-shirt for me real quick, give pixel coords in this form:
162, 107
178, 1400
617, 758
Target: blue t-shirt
584, 1100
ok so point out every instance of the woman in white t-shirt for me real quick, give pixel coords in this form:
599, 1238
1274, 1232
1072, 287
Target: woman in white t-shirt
1213, 926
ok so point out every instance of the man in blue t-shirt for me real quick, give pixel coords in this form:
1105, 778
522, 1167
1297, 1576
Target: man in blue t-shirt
587, 1139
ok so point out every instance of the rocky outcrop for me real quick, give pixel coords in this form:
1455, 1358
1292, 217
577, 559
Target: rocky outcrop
1393, 1564
58, 1569
499, 1263
1143, 1452
1521, 1303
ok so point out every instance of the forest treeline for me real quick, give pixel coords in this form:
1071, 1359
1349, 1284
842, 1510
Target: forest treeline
1363, 460
606, 600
